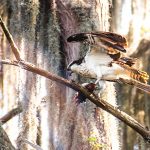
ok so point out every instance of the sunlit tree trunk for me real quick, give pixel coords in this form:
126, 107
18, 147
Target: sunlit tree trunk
131, 18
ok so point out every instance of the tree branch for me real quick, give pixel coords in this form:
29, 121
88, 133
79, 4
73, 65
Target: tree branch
37, 147
10, 40
11, 114
98, 102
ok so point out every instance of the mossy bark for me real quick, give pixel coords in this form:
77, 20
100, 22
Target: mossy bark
5, 143
50, 117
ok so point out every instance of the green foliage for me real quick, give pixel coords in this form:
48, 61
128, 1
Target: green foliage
93, 141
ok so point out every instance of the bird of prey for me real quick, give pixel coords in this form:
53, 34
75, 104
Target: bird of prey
105, 59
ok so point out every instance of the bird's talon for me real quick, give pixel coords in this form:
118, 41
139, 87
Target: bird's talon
73, 81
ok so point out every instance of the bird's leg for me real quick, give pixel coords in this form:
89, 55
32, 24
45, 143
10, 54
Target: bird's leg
97, 80
99, 73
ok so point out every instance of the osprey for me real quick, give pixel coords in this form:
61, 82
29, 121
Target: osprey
105, 59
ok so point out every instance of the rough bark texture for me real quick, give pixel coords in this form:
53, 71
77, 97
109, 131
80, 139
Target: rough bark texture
50, 118
5, 143
94, 122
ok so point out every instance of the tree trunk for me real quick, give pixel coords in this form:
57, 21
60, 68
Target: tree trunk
50, 117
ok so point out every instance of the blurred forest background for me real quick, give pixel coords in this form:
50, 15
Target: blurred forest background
50, 118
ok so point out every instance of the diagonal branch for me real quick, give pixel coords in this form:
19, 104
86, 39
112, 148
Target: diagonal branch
11, 114
10, 40
36, 147
98, 102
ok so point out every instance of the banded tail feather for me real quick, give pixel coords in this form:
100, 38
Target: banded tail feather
138, 75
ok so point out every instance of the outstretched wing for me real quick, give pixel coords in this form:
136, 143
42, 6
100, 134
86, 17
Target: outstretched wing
112, 42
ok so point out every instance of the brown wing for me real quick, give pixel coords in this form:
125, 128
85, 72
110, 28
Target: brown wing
112, 37
108, 40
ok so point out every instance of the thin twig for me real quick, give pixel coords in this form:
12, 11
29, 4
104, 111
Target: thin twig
37, 147
11, 114
98, 102
7, 61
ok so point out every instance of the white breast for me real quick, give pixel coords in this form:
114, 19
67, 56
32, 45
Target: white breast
97, 58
